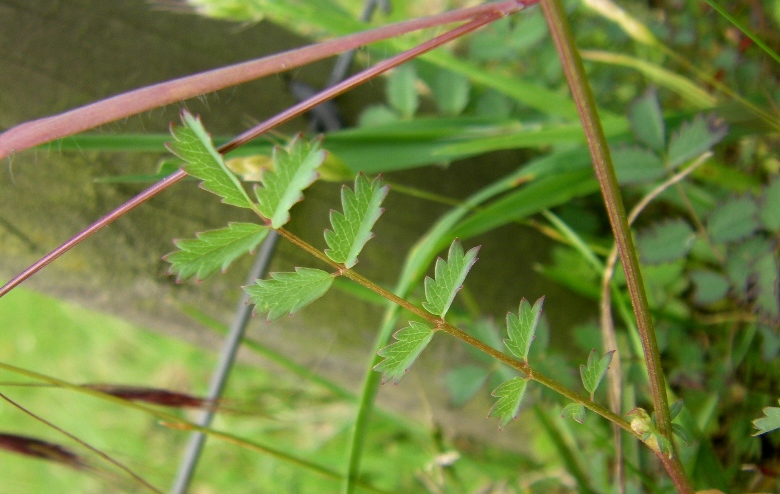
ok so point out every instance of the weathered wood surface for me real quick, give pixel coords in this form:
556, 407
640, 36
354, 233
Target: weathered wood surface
60, 54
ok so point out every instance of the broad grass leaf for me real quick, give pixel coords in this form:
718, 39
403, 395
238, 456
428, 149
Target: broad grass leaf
399, 356
352, 229
294, 170
769, 422
694, 138
402, 91
735, 219
665, 242
647, 121
521, 328
595, 370
214, 250
575, 411
769, 212
193, 145
287, 293
510, 395
448, 278
635, 165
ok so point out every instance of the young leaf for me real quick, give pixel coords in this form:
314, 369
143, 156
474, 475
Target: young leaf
522, 327
449, 276
769, 422
509, 395
214, 250
647, 122
400, 355
733, 220
595, 370
352, 229
294, 170
193, 144
287, 293
694, 138
665, 242
574, 410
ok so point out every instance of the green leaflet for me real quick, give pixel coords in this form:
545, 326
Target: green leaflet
665, 242
287, 293
521, 328
733, 220
509, 395
769, 422
575, 411
213, 250
595, 370
193, 145
694, 138
647, 121
294, 170
400, 355
352, 229
449, 277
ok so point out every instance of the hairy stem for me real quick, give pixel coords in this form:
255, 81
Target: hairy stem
605, 172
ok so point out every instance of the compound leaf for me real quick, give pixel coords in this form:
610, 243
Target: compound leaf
400, 355
595, 370
352, 229
193, 145
213, 250
575, 411
769, 211
294, 170
665, 242
647, 121
449, 276
521, 328
735, 219
694, 138
769, 422
509, 395
287, 293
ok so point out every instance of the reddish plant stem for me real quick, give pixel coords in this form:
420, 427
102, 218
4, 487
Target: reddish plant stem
43, 130
251, 134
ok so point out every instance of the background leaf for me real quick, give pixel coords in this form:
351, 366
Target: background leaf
294, 170
352, 229
400, 355
510, 395
710, 287
635, 165
402, 91
451, 92
733, 220
449, 277
522, 327
694, 138
769, 212
287, 293
769, 422
214, 250
574, 410
193, 145
464, 382
595, 370
647, 121
665, 242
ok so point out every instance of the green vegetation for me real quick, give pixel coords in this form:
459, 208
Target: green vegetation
677, 394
